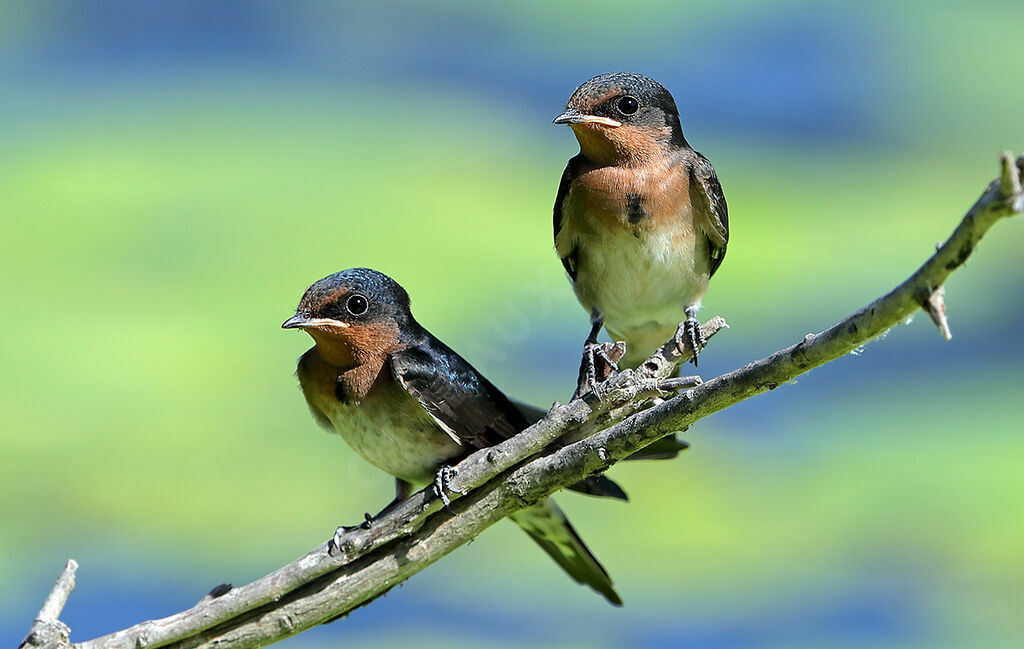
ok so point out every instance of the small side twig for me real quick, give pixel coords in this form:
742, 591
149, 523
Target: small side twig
664, 361
934, 304
631, 391
1009, 180
47, 629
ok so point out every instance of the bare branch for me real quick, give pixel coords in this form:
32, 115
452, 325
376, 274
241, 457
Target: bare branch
402, 520
362, 563
47, 629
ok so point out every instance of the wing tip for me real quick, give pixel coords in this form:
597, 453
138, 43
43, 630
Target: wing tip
569, 551
600, 486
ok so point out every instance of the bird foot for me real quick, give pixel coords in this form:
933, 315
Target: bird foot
600, 362
689, 335
339, 539
443, 484
339, 534
365, 525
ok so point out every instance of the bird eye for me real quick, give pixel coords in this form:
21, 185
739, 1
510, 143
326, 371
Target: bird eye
628, 105
356, 304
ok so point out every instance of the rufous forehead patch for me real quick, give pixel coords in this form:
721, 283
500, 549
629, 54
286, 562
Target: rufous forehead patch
595, 97
335, 295
316, 299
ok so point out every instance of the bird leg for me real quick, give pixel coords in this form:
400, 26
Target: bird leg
402, 491
689, 334
595, 354
443, 484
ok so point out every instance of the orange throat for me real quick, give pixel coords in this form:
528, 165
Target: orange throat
622, 145
357, 353
334, 349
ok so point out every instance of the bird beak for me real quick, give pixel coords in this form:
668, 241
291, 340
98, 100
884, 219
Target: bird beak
299, 321
573, 116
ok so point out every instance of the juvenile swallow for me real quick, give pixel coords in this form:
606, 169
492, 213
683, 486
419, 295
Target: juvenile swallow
411, 406
640, 220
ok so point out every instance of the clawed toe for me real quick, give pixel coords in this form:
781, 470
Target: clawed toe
338, 540
443, 484
689, 335
596, 367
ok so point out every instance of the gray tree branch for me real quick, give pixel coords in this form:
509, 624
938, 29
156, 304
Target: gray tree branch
47, 629
636, 408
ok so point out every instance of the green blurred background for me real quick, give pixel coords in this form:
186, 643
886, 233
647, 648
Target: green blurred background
173, 175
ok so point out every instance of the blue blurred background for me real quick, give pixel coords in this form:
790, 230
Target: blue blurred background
173, 175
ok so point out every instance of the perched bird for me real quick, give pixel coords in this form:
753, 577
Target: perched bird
640, 219
411, 406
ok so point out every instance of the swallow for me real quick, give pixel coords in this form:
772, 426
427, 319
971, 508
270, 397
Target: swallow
412, 407
640, 220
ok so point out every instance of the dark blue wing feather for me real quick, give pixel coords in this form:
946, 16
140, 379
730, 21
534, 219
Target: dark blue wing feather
568, 176
455, 394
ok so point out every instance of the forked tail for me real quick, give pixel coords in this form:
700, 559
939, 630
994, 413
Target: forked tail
548, 526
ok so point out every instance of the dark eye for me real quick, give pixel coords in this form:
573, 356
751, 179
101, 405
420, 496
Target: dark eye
356, 304
628, 105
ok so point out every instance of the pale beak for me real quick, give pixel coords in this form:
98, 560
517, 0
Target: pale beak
573, 116
299, 321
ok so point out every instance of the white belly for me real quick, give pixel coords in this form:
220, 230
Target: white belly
393, 433
641, 285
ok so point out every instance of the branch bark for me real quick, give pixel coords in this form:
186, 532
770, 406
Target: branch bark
47, 629
636, 408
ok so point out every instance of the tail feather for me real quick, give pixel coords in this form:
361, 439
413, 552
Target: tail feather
665, 448
548, 526
600, 486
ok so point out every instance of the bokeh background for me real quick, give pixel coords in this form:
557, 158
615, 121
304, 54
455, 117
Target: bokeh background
173, 175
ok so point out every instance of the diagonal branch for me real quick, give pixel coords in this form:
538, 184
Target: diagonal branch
402, 520
47, 629
362, 563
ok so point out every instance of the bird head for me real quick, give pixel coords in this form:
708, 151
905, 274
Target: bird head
353, 314
623, 117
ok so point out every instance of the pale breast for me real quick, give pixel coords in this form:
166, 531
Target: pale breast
388, 427
640, 258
